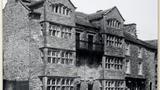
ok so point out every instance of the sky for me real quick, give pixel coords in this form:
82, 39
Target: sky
142, 12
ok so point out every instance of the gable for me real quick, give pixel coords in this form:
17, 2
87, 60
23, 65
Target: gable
114, 13
67, 3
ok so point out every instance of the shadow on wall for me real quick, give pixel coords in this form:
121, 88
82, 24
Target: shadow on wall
92, 61
15, 85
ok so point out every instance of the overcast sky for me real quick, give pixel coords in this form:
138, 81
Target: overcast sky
142, 12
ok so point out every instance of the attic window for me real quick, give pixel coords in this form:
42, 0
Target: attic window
61, 9
113, 23
34, 15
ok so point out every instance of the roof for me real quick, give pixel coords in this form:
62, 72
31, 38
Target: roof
132, 39
99, 14
72, 4
82, 19
153, 42
35, 3
129, 24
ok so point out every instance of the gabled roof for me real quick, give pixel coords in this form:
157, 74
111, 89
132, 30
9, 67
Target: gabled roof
72, 4
100, 14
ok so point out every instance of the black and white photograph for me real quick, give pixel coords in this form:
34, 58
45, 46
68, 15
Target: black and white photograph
80, 44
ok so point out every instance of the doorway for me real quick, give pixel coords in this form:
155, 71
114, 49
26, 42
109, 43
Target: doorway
90, 42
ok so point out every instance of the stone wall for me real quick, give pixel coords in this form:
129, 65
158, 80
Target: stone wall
148, 65
15, 41
149, 68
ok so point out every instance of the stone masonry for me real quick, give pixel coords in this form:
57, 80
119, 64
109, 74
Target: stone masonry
54, 47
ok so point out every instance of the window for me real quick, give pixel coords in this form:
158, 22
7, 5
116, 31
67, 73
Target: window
139, 52
42, 29
66, 58
128, 67
61, 9
66, 32
60, 31
113, 23
127, 49
35, 15
53, 56
60, 83
150, 84
114, 85
54, 30
114, 63
78, 36
60, 57
114, 41
140, 68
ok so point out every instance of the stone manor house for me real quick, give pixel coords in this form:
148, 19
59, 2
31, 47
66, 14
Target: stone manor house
47, 45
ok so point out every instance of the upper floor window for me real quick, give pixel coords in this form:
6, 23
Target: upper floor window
42, 29
114, 41
113, 23
127, 49
140, 68
60, 31
128, 67
78, 35
114, 63
61, 9
60, 57
53, 56
155, 56
139, 52
66, 58
35, 15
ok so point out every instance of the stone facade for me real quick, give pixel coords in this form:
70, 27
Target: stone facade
55, 47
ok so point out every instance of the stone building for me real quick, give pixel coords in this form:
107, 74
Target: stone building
54, 47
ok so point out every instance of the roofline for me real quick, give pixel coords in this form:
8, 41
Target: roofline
86, 26
72, 4
129, 24
24, 5
117, 10
35, 3
141, 44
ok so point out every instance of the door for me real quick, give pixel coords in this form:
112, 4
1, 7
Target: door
90, 42
77, 40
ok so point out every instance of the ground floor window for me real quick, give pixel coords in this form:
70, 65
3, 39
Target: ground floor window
150, 85
60, 83
114, 85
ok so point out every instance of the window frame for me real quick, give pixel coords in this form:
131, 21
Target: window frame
140, 68
140, 52
127, 49
114, 41
128, 66
114, 63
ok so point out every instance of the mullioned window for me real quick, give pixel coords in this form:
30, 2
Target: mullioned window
60, 31
114, 63
61, 9
114, 85
114, 41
